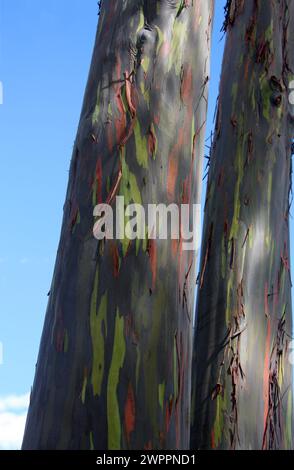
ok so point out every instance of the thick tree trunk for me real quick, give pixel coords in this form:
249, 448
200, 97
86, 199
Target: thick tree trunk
242, 378
114, 361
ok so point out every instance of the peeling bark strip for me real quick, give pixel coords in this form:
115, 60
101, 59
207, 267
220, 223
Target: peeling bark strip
121, 310
242, 379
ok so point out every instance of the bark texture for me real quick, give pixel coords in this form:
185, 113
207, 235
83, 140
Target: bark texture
113, 370
242, 377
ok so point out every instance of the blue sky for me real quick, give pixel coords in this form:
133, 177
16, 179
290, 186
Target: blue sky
45, 52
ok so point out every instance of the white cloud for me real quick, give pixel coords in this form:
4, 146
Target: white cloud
13, 412
14, 402
11, 430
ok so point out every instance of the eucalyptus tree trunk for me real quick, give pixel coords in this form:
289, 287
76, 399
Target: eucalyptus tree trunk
115, 355
242, 378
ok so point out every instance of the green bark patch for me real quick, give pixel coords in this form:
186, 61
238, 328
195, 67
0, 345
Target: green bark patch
98, 322
113, 413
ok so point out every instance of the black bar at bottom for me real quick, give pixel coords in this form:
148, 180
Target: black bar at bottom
126, 459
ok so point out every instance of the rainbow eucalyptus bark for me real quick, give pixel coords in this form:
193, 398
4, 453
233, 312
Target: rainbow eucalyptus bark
115, 354
242, 377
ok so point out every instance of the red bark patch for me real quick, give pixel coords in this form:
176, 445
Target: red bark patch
109, 136
99, 181
60, 335
197, 13
121, 122
165, 49
173, 166
181, 366
130, 413
220, 180
186, 84
174, 246
59, 331
109, 17
266, 372
128, 134
157, 119
172, 175
246, 67
129, 95
264, 54
285, 258
186, 190
74, 216
152, 251
212, 440
115, 260
148, 446
151, 142
114, 188
168, 413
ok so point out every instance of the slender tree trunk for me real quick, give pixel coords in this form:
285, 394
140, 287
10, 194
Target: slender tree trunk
242, 378
115, 355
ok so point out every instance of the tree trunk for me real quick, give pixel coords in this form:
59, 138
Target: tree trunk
242, 377
115, 355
